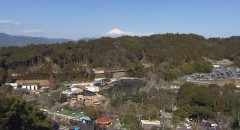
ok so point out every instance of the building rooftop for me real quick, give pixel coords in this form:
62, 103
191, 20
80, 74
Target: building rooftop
71, 113
42, 82
24, 84
103, 120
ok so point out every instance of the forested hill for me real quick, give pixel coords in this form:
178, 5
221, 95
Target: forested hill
9, 40
167, 54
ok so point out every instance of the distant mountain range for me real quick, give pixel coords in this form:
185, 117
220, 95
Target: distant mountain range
10, 40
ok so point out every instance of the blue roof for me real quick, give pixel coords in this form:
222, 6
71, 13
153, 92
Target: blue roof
86, 118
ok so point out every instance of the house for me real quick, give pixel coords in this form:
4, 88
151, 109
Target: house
92, 88
90, 100
216, 66
98, 71
68, 92
148, 125
42, 82
104, 121
76, 90
101, 73
14, 85
82, 84
30, 86
101, 80
86, 98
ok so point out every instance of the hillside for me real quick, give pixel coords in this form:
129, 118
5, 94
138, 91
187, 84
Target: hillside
9, 40
168, 55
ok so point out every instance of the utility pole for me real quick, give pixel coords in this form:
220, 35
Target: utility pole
238, 117
163, 123
21, 81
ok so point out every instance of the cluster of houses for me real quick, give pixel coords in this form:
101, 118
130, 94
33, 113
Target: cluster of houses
84, 92
87, 92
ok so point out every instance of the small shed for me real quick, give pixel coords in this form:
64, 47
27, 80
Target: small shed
85, 119
216, 66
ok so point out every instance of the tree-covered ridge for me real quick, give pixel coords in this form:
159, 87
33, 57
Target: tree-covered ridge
163, 51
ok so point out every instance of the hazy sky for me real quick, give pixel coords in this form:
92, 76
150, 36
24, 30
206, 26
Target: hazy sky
77, 19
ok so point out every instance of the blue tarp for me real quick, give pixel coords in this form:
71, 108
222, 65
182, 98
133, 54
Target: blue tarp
77, 128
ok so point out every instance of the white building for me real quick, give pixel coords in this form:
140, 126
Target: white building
216, 66
92, 88
98, 71
100, 80
147, 124
68, 92
14, 85
30, 86
82, 84
76, 90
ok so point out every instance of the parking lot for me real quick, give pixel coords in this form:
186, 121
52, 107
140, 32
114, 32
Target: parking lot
220, 73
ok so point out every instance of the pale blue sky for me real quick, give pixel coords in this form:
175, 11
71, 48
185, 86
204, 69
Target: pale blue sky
77, 19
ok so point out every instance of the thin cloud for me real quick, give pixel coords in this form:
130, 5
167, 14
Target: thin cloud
4, 21
17, 23
6, 30
118, 32
32, 31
